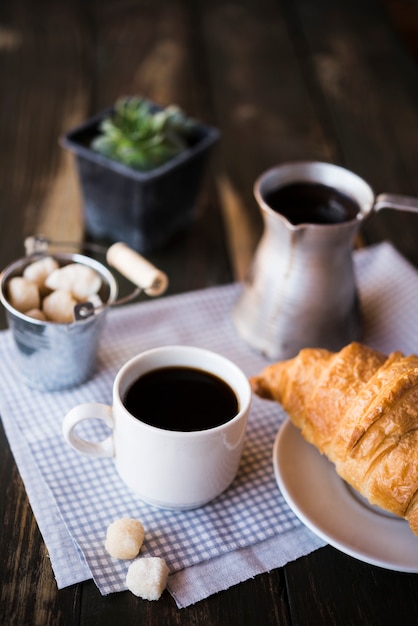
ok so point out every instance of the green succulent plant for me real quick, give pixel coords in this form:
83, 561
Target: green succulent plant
141, 137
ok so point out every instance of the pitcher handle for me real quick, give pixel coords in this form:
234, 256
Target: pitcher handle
398, 202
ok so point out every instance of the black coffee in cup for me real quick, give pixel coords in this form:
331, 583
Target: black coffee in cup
181, 399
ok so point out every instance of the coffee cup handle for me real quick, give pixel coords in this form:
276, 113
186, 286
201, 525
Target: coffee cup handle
80, 413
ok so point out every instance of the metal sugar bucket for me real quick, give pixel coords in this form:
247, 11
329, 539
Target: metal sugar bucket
54, 356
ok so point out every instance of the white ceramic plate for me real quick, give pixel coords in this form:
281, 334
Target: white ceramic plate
334, 512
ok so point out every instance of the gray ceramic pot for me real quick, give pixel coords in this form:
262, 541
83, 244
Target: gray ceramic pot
143, 209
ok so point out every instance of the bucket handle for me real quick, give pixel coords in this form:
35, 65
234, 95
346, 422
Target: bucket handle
134, 267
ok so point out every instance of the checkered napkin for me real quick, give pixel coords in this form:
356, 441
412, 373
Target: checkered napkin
247, 530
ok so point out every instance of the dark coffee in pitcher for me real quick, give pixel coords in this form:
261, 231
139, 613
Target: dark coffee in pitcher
312, 203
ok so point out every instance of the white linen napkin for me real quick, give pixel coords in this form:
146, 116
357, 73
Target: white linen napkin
247, 530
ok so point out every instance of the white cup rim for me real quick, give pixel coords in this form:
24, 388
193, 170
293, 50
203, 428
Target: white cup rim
243, 394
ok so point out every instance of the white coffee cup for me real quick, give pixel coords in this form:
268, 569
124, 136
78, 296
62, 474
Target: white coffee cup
168, 468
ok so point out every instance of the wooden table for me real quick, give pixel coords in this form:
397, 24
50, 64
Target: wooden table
283, 80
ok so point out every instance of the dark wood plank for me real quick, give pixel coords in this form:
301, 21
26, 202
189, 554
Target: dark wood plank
359, 594
367, 83
262, 103
40, 65
154, 50
244, 604
28, 592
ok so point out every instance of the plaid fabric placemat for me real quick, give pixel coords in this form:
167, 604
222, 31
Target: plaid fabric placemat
75, 498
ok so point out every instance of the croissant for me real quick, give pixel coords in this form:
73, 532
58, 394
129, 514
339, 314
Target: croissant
359, 407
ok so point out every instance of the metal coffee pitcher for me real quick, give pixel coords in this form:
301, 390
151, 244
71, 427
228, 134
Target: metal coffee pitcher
301, 290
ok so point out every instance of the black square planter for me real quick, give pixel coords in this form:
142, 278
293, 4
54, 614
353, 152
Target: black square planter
142, 209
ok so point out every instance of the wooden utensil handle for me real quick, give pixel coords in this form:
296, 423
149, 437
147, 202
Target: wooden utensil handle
137, 269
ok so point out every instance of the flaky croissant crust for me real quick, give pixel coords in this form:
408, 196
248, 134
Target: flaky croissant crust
359, 407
